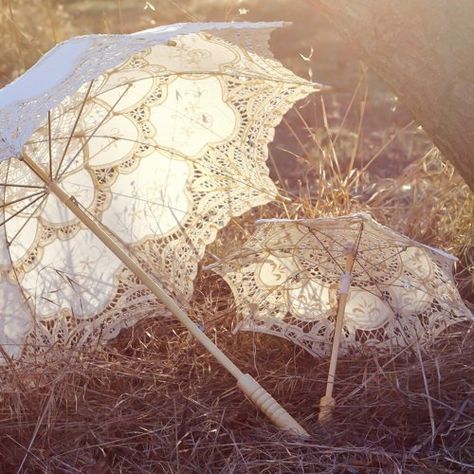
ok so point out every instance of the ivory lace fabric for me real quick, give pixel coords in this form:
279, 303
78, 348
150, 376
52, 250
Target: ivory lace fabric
286, 278
62, 71
161, 150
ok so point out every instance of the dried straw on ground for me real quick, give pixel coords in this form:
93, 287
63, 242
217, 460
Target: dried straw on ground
154, 402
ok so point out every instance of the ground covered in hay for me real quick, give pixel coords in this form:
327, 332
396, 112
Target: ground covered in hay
153, 400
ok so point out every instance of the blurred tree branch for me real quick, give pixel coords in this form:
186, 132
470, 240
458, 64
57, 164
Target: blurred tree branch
424, 49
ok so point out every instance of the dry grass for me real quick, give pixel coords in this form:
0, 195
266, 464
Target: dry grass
153, 401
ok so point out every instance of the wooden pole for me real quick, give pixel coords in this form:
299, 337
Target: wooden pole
250, 387
327, 403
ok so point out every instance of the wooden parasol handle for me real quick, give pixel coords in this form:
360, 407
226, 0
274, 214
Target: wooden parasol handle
327, 403
268, 405
246, 383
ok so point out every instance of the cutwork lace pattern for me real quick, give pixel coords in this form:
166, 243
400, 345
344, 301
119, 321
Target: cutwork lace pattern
285, 282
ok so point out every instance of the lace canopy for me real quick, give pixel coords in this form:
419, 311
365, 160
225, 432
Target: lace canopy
285, 281
161, 137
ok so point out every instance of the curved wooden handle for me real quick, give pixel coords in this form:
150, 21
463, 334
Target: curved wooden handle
265, 402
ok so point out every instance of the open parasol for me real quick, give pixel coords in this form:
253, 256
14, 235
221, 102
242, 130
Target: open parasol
148, 143
333, 285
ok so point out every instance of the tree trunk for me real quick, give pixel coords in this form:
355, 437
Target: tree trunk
424, 49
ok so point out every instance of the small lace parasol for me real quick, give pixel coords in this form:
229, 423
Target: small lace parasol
346, 282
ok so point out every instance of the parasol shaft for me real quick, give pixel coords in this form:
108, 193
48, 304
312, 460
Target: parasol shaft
327, 402
245, 382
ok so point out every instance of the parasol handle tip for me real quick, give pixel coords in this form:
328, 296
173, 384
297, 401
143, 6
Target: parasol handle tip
326, 408
269, 406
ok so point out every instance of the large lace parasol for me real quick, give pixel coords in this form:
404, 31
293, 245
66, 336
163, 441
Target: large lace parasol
148, 143
346, 281
163, 149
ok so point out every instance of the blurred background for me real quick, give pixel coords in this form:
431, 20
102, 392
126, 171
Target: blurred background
31, 27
